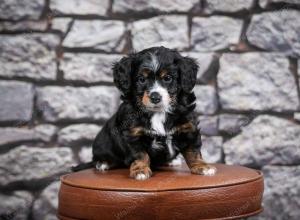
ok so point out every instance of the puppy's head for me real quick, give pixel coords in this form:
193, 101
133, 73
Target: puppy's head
155, 79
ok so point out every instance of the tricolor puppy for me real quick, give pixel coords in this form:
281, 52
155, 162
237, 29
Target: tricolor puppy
156, 120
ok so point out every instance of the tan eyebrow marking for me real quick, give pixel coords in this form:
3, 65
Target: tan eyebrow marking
163, 73
145, 72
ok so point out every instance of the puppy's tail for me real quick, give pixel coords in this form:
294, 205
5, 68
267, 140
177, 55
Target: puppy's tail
83, 166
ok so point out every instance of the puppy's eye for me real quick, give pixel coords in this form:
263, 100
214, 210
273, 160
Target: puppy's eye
167, 78
141, 79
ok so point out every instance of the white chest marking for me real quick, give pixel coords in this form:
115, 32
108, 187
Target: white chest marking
157, 122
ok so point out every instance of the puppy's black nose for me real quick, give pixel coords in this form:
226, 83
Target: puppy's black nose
155, 97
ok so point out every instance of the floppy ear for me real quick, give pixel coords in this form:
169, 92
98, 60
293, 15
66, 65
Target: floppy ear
188, 69
122, 74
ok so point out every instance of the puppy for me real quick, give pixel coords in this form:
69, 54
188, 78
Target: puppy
156, 120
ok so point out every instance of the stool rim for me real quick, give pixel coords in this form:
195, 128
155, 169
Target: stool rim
141, 186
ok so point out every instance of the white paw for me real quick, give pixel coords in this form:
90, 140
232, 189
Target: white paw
210, 171
102, 166
142, 176
176, 162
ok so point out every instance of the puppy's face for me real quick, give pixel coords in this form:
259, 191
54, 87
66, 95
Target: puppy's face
156, 83
154, 78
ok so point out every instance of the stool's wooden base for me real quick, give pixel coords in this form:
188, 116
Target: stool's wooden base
171, 193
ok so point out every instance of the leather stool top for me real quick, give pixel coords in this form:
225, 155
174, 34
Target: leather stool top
171, 193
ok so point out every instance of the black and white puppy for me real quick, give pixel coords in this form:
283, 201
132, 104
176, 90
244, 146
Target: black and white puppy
156, 120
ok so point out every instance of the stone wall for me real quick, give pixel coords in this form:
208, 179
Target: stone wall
56, 87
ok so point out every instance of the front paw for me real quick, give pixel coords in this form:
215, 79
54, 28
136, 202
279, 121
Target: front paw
102, 166
140, 173
206, 170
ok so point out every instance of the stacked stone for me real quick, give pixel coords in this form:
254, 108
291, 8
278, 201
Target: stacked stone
56, 88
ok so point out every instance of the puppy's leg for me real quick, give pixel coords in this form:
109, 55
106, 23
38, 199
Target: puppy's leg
189, 139
196, 164
140, 168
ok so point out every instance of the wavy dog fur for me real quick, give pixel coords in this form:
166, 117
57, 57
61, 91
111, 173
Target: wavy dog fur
156, 120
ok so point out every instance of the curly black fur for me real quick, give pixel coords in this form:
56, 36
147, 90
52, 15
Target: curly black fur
116, 144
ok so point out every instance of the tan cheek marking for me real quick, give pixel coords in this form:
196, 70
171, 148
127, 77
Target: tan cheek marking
146, 99
187, 127
172, 98
137, 131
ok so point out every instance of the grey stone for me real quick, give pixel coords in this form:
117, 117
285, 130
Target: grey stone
12, 135
45, 132
16, 205
208, 125
16, 10
232, 124
125, 6
61, 24
28, 55
228, 6
27, 26
297, 116
160, 31
16, 100
88, 67
80, 7
211, 149
256, 81
299, 72
266, 3
206, 62
45, 206
267, 140
276, 31
26, 163
215, 33
77, 133
103, 35
206, 102
281, 194
85, 154
77, 103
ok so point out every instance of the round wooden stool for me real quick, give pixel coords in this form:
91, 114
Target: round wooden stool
171, 193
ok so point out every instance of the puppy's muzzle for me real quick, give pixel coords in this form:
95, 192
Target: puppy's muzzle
155, 97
